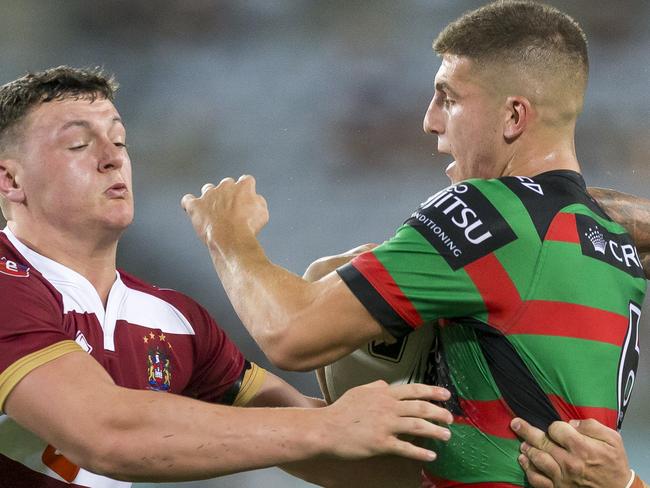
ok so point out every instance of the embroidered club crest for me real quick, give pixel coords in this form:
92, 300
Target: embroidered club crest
12, 268
159, 374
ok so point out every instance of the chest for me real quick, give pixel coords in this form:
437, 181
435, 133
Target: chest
142, 341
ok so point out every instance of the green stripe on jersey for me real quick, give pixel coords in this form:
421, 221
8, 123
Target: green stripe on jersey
581, 371
486, 458
609, 225
469, 372
422, 273
554, 281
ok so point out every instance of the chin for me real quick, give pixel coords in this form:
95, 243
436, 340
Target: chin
119, 222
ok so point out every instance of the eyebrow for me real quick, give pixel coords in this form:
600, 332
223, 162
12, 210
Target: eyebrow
86, 125
444, 86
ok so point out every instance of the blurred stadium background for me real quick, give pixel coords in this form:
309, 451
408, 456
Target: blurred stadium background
322, 102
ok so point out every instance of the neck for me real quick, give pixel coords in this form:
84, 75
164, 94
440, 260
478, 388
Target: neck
538, 153
92, 257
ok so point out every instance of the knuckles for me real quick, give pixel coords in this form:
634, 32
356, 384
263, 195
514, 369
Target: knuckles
574, 468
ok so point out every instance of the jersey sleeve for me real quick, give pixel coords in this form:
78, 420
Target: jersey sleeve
31, 330
246, 388
220, 366
430, 268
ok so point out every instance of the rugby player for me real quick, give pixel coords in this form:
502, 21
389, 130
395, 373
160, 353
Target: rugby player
534, 290
104, 377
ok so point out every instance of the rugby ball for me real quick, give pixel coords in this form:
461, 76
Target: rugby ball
405, 361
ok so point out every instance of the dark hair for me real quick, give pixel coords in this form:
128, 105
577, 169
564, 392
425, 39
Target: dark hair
18, 97
517, 32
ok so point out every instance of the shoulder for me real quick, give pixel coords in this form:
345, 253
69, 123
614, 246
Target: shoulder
165, 300
22, 284
464, 221
544, 196
169, 295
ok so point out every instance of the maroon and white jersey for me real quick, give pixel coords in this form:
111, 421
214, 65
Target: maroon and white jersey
146, 338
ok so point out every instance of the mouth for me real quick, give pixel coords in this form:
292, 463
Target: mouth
118, 190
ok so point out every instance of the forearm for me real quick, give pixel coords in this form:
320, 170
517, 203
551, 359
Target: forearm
193, 439
630, 211
268, 299
299, 325
291, 319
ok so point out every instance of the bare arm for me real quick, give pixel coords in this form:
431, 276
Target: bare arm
73, 404
299, 325
377, 472
581, 454
631, 212
319, 269
275, 392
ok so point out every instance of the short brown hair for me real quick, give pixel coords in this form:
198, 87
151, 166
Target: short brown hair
522, 32
18, 97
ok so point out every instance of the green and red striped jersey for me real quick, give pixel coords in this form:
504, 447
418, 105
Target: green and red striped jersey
534, 294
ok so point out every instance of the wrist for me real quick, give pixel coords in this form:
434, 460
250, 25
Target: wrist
226, 240
320, 432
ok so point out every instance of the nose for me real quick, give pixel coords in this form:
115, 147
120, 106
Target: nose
432, 123
112, 157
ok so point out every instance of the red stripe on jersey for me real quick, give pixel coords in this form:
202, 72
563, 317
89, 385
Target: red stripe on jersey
431, 481
570, 320
378, 276
606, 416
491, 417
498, 291
563, 228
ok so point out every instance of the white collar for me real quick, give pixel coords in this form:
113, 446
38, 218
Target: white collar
60, 275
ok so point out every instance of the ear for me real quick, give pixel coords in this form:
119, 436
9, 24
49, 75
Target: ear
10, 188
519, 112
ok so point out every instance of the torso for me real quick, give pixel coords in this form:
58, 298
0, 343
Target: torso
145, 338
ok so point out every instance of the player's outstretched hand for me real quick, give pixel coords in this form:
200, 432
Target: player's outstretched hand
584, 453
368, 419
325, 265
227, 209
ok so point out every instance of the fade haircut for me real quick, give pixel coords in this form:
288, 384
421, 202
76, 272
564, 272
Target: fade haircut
20, 96
524, 34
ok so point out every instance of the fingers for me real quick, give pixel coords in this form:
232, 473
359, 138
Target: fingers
417, 427
426, 410
565, 436
539, 449
535, 478
206, 187
247, 180
187, 201
415, 391
526, 432
593, 428
542, 462
411, 451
